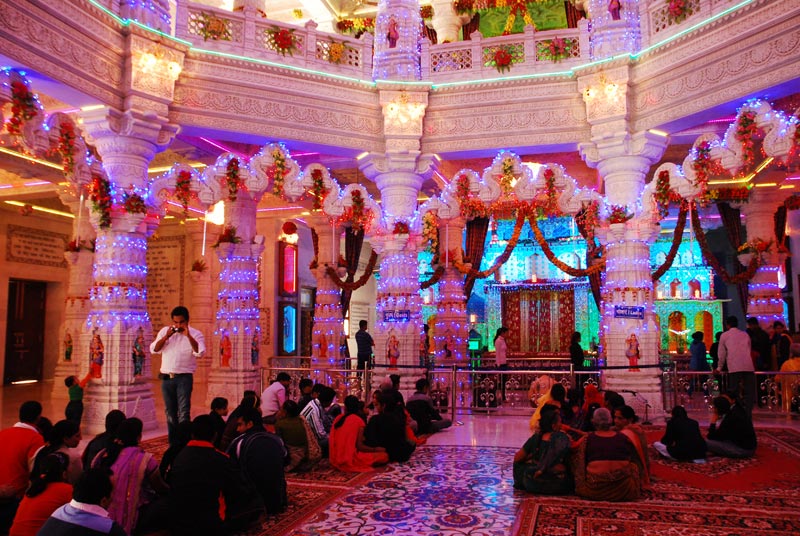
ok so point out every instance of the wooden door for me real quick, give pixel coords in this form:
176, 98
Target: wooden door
25, 330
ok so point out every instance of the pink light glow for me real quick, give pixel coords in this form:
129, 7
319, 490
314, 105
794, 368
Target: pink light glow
36, 183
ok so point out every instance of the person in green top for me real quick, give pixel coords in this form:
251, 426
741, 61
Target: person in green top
74, 409
292, 430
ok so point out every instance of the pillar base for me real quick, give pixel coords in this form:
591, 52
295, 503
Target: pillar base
232, 384
134, 400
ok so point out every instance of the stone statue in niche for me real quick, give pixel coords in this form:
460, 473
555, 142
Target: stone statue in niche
632, 353
392, 351
613, 9
392, 33
96, 356
138, 353
254, 350
323, 346
225, 350
67, 346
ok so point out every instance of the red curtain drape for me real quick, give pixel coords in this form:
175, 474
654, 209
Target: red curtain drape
476, 244
471, 26
780, 226
540, 322
732, 222
510, 310
573, 14
353, 242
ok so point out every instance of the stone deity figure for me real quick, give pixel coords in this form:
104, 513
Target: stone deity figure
225, 351
392, 351
67, 346
392, 33
632, 353
323, 346
254, 351
613, 9
96, 356
138, 353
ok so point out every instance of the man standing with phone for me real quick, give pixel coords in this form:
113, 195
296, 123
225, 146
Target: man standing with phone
179, 345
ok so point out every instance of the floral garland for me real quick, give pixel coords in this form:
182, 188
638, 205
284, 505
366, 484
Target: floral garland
756, 245
678, 11
215, 28
746, 129
795, 150
662, 193
426, 12
133, 203
318, 190
282, 40
430, 232
344, 285
711, 259
677, 239
232, 180
400, 227
23, 107
182, 189
703, 167
437, 275
555, 49
589, 219
734, 195
227, 236
502, 59
100, 195
356, 26
567, 269
277, 171
472, 273
357, 215
66, 146
551, 205
337, 52
619, 214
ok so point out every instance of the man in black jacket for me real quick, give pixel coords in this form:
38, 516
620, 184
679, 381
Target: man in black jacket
731, 433
261, 456
199, 474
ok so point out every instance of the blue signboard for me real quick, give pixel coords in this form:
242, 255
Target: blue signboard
629, 311
397, 316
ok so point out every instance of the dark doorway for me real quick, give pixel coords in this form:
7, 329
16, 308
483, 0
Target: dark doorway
25, 331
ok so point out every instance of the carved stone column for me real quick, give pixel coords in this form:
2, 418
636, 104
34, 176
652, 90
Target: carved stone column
764, 291
328, 321
451, 333
119, 324
235, 361
615, 27
72, 359
202, 302
397, 27
627, 311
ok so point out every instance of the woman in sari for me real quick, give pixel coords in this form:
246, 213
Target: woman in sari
625, 421
135, 477
603, 463
790, 382
348, 451
556, 397
540, 466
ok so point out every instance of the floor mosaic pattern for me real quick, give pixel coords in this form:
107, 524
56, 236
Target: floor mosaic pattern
441, 491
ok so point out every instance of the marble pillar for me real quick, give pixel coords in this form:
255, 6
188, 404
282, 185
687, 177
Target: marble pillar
202, 302
328, 321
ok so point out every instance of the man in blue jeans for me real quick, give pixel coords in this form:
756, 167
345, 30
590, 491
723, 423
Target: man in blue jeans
179, 345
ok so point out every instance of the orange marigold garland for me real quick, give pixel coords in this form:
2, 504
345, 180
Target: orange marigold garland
430, 232
567, 269
662, 193
355, 285
357, 214
501, 260
277, 171
711, 259
551, 208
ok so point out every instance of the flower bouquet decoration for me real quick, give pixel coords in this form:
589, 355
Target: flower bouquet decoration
400, 227
555, 49
133, 204
23, 107
227, 236
619, 214
100, 196
282, 40
678, 10
214, 28
502, 59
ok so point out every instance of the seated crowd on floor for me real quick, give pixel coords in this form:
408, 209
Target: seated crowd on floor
218, 476
597, 450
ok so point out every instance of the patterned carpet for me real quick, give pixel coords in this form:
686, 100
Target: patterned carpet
467, 491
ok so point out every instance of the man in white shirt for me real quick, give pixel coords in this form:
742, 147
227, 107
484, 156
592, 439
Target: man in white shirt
180, 345
734, 352
274, 396
314, 413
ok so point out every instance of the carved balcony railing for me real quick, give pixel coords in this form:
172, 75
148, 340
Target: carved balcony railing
530, 54
658, 24
249, 35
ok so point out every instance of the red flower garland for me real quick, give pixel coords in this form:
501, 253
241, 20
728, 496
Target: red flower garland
551, 208
344, 285
66, 146
662, 193
182, 189
703, 167
23, 107
100, 195
318, 190
746, 129
566, 268
357, 214
619, 214
502, 59
232, 180
133, 204
283, 40
400, 227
